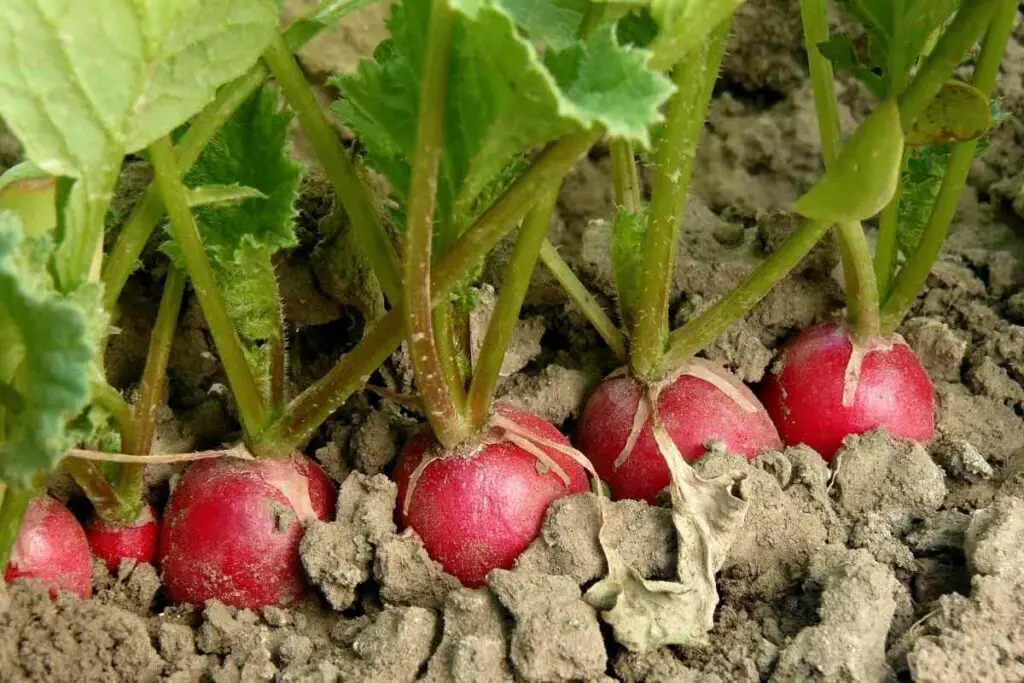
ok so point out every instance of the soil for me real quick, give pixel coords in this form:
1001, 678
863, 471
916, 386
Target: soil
898, 561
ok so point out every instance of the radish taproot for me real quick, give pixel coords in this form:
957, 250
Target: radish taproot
53, 549
825, 387
113, 543
479, 506
232, 528
699, 404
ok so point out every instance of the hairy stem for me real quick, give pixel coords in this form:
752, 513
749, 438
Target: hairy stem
130, 478
694, 335
959, 37
445, 418
861, 285
444, 322
243, 384
674, 157
887, 245
584, 300
348, 186
108, 502
12, 511
506, 311
147, 213
110, 399
308, 411
624, 175
915, 271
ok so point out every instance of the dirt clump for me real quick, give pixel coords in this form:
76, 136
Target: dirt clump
556, 636
71, 640
133, 587
406, 575
474, 643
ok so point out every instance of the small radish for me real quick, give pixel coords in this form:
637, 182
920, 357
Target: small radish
232, 528
52, 548
824, 388
113, 543
698, 404
478, 507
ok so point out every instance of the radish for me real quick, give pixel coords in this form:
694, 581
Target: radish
824, 387
480, 505
113, 543
699, 404
232, 528
53, 549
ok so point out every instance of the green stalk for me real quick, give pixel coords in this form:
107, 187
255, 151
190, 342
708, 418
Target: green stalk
443, 320
506, 311
151, 390
624, 175
243, 384
108, 502
445, 418
697, 333
348, 186
887, 245
584, 300
110, 399
12, 511
674, 157
915, 271
970, 21
312, 407
861, 285
278, 368
147, 213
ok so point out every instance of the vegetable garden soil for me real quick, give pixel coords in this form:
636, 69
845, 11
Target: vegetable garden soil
896, 562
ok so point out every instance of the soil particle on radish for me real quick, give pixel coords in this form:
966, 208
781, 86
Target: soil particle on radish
406, 575
70, 640
568, 542
474, 644
855, 610
338, 555
556, 636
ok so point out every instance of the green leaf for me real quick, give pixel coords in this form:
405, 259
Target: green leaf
628, 235
839, 50
250, 150
326, 16
555, 22
46, 358
960, 112
118, 73
31, 193
864, 177
212, 195
685, 24
504, 97
898, 33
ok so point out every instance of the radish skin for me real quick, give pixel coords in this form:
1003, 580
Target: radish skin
115, 543
52, 548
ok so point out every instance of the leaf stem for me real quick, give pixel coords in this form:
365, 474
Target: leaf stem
309, 409
673, 166
12, 511
915, 271
887, 245
443, 319
243, 384
861, 285
958, 38
506, 311
348, 186
445, 418
130, 479
624, 175
147, 213
694, 335
108, 502
584, 300
110, 399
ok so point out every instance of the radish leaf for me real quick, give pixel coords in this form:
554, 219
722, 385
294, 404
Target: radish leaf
864, 177
46, 357
960, 112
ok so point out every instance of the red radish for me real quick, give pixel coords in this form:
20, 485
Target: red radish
52, 548
820, 391
232, 528
699, 404
478, 508
113, 543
